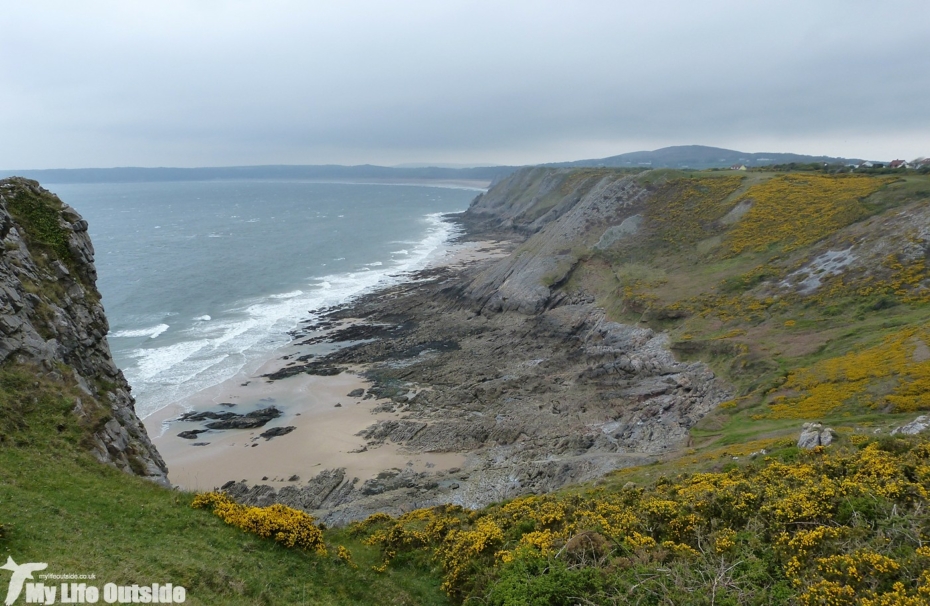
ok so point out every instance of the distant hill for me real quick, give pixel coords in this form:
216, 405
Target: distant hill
285, 172
679, 156
699, 156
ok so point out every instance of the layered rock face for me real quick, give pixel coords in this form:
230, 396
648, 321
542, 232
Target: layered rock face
530, 382
561, 210
51, 319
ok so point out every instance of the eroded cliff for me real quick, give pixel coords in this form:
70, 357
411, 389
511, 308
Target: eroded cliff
52, 324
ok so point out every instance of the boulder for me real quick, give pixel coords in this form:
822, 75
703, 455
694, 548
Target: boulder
274, 432
251, 420
190, 435
916, 426
814, 435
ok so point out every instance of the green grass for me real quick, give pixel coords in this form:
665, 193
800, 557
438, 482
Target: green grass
82, 517
639, 281
59, 505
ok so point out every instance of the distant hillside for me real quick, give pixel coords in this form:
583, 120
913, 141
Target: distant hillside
320, 172
679, 156
699, 156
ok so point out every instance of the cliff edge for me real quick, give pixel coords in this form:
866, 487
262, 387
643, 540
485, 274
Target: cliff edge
52, 323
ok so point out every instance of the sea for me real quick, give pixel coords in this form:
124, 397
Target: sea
203, 279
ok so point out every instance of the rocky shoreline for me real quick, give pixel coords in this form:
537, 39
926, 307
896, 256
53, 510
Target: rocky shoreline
534, 401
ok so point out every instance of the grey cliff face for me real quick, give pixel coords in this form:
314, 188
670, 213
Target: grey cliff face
530, 382
557, 211
51, 318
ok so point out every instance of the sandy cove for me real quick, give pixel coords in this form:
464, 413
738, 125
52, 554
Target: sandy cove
326, 420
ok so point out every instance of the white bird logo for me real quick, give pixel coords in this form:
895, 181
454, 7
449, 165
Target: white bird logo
21, 572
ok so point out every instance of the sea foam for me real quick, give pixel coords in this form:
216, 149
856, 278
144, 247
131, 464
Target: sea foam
215, 351
151, 332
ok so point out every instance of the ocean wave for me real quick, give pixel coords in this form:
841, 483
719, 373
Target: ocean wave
203, 318
287, 295
242, 340
151, 332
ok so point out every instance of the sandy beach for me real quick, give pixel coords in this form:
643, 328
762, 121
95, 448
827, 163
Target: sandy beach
326, 420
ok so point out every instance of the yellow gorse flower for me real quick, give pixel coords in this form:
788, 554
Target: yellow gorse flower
290, 527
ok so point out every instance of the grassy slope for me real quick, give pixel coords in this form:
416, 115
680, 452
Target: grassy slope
83, 518
60, 506
690, 273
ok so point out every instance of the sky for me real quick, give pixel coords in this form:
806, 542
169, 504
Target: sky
231, 83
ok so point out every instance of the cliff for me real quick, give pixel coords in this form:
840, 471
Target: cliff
640, 316
53, 325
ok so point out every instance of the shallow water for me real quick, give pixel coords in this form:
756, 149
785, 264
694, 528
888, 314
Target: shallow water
203, 279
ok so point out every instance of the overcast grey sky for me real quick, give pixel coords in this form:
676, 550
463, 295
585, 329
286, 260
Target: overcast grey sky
212, 83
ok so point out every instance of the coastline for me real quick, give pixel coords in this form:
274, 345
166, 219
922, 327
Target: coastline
327, 422
488, 382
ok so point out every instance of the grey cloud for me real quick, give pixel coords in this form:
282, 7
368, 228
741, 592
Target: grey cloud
210, 83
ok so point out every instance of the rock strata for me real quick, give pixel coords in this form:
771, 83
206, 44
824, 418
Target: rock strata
51, 317
532, 401
531, 386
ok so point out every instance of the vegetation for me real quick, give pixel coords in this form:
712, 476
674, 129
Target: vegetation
847, 526
59, 505
39, 215
718, 268
740, 517
796, 210
290, 527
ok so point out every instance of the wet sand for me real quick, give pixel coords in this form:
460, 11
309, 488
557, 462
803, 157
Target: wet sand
325, 418
323, 438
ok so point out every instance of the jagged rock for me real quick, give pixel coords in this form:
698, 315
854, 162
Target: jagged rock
921, 423
276, 431
814, 435
191, 434
356, 393
60, 321
318, 491
396, 431
251, 420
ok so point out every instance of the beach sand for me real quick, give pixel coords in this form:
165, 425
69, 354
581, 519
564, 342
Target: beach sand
326, 421
324, 437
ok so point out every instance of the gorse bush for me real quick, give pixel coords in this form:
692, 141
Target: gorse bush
796, 210
290, 527
684, 211
842, 527
891, 374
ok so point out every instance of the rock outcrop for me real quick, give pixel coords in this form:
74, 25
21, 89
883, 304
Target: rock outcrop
560, 210
531, 402
51, 319
814, 435
921, 423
